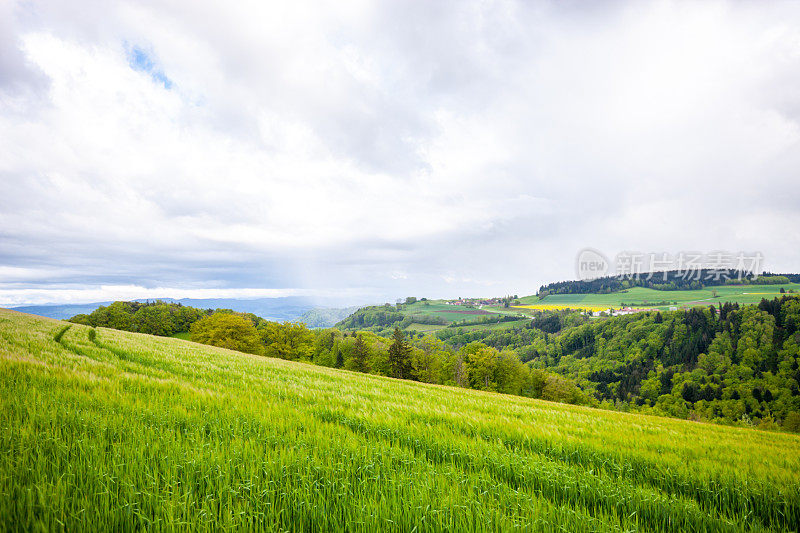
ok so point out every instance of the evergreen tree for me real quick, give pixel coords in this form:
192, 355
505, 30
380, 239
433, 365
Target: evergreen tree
400, 356
360, 355
339, 357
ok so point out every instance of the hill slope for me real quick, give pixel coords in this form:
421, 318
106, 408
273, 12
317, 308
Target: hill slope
121, 430
660, 299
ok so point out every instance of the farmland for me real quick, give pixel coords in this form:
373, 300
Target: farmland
643, 297
104, 428
427, 316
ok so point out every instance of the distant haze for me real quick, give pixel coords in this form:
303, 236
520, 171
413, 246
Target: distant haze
279, 309
357, 152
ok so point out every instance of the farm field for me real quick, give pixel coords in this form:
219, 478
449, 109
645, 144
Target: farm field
643, 297
424, 328
496, 326
428, 328
116, 430
439, 309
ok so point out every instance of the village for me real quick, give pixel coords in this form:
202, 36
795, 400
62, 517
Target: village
475, 302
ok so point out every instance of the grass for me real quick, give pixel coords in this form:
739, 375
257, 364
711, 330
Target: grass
742, 294
496, 326
126, 431
424, 328
439, 309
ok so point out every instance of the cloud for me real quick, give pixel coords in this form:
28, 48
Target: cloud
406, 147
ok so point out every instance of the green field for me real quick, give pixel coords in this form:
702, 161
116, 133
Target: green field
439, 309
742, 294
104, 429
430, 328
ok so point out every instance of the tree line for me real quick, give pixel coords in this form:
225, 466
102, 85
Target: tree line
673, 280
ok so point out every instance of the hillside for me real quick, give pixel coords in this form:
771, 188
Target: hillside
104, 428
425, 316
669, 281
643, 297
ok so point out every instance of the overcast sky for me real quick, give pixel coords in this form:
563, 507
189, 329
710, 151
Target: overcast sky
372, 150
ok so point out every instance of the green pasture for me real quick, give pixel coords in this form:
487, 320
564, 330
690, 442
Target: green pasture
437, 308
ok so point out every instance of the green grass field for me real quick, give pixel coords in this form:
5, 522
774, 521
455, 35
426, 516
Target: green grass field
743, 294
430, 328
424, 328
439, 309
104, 429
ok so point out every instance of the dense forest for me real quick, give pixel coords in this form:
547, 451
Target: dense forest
154, 318
666, 281
732, 364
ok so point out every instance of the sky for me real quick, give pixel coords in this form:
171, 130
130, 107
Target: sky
366, 151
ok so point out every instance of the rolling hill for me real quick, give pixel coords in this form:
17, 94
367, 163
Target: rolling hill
109, 429
662, 299
427, 316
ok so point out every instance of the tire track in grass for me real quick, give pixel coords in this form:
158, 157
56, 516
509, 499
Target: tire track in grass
558, 483
60, 333
772, 507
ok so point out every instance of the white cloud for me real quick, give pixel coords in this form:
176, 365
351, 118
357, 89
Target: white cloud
388, 147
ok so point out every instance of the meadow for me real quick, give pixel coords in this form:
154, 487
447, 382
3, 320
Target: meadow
640, 296
115, 430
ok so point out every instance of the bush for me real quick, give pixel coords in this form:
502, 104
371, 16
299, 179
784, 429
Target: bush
792, 422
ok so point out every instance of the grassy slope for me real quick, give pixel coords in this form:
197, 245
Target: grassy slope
744, 294
437, 308
146, 432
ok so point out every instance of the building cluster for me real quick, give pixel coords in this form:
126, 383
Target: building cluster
626, 311
475, 301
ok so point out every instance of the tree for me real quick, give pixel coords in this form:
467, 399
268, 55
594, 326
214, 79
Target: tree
287, 340
360, 353
481, 361
339, 358
792, 422
428, 359
399, 356
227, 330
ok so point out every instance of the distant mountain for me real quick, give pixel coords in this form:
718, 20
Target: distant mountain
60, 312
326, 317
279, 309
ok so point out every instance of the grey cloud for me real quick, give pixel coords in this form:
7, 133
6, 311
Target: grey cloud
428, 147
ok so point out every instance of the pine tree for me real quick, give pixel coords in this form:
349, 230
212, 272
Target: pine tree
360, 355
339, 358
399, 356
